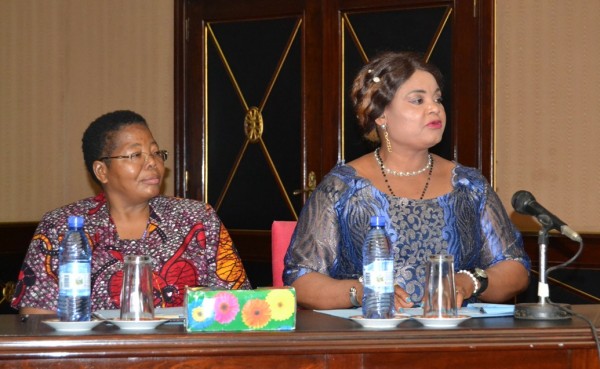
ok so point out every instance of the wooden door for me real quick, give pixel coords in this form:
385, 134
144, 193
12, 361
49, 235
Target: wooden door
247, 95
261, 97
457, 35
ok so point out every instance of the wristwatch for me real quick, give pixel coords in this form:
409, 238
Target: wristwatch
482, 278
353, 298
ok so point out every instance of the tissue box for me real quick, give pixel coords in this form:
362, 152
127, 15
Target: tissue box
262, 309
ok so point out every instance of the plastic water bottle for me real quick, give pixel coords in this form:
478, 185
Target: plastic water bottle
378, 273
74, 274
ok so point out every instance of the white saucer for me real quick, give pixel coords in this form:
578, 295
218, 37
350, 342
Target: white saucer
137, 325
441, 322
72, 326
172, 313
380, 323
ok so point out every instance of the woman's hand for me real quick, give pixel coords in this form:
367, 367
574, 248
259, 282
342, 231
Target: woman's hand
402, 298
31, 310
464, 287
505, 280
318, 291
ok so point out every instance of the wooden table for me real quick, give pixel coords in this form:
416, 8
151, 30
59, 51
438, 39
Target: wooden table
319, 341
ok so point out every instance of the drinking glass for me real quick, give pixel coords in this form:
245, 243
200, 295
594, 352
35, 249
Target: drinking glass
137, 300
440, 296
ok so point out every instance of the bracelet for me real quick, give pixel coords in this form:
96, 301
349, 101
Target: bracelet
475, 281
353, 299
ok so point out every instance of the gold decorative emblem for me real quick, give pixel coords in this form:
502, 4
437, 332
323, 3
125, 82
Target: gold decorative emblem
8, 290
253, 124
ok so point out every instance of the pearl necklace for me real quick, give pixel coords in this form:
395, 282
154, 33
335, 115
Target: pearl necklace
429, 165
400, 173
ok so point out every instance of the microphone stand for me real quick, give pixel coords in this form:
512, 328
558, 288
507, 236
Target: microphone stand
543, 309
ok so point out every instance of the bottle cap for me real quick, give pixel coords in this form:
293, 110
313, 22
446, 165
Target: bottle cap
75, 221
377, 221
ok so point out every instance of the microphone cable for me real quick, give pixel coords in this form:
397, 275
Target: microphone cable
569, 311
585, 319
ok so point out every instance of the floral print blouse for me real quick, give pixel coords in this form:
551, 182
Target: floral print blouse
186, 240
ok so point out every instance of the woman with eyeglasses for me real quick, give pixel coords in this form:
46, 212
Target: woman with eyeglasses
185, 238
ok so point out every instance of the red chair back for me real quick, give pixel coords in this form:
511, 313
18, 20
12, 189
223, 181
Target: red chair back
281, 235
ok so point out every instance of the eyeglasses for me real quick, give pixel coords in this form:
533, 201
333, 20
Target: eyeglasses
141, 157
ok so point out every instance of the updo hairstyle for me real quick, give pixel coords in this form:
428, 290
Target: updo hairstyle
377, 82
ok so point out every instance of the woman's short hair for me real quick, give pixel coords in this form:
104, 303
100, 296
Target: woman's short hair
377, 82
97, 139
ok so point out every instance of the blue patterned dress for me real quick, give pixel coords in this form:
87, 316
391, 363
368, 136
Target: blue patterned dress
469, 222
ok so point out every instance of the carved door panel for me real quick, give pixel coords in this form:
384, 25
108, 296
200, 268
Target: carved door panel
456, 35
261, 98
251, 70
396, 30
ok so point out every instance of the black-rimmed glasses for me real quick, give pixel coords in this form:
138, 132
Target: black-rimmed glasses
139, 157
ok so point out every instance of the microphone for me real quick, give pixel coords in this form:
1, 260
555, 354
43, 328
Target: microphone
524, 203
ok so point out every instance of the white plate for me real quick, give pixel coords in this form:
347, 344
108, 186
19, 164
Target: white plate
137, 325
475, 310
172, 313
441, 322
72, 326
380, 323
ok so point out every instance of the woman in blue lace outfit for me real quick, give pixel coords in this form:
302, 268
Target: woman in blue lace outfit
431, 205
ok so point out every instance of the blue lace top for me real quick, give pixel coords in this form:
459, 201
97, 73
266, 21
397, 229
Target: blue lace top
469, 223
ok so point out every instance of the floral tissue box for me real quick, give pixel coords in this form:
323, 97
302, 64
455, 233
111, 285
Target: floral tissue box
262, 309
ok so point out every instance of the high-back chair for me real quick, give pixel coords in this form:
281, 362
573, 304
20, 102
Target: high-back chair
281, 235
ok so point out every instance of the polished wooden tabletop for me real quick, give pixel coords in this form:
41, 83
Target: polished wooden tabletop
319, 340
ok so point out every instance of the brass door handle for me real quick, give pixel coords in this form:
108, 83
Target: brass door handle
312, 184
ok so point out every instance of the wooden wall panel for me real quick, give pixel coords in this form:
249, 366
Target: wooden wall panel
63, 64
547, 107
66, 62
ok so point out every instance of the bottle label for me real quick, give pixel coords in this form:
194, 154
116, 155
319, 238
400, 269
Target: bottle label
75, 279
379, 276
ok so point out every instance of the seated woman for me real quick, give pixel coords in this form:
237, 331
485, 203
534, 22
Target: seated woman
185, 238
431, 205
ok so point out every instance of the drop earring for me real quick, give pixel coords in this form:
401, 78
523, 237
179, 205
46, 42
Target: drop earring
388, 144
